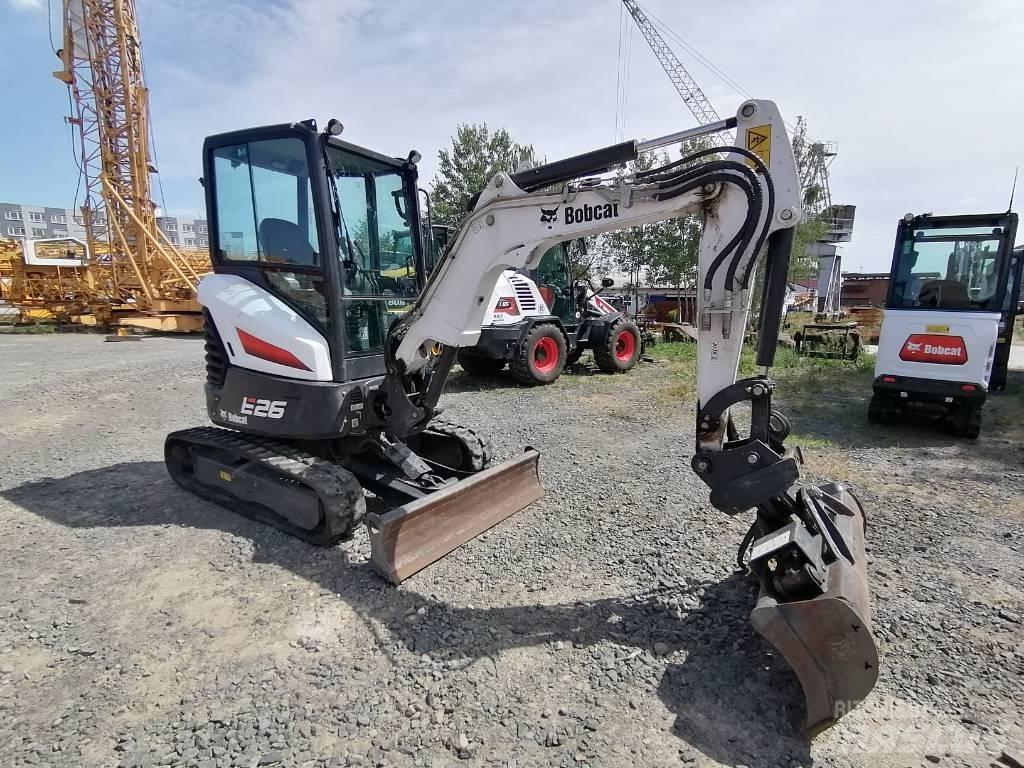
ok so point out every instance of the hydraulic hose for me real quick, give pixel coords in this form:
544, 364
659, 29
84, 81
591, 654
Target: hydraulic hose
743, 235
655, 173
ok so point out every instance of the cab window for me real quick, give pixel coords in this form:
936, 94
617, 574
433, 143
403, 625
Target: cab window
379, 259
552, 278
940, 268
265, 218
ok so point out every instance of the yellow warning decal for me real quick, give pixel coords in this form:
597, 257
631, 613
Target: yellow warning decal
937, 329
225, 476
759, 141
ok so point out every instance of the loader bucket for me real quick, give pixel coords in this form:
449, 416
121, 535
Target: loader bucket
827, 640
411, 537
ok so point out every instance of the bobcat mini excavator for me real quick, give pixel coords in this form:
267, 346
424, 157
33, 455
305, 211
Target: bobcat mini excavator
326, 357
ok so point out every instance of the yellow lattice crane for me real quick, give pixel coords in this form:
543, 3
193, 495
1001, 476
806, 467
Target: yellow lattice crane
132, 274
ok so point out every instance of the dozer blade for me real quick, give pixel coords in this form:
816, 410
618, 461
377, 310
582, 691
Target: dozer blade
407, 539
827, 639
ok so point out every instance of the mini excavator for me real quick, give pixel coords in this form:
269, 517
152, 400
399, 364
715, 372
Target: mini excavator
327, 350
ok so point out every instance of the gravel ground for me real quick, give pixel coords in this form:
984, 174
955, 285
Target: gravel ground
602, 626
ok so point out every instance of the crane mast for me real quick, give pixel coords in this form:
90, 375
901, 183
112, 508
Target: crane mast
684, 83
142, 271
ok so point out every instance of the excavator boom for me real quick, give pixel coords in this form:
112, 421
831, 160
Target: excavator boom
806, 545
326, 356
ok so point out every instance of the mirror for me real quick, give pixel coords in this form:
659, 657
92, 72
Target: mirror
607, 282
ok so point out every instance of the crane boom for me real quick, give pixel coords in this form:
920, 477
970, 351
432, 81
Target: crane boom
684, 83
102, 67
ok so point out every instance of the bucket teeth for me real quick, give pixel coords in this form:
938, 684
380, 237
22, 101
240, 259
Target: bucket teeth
827, 639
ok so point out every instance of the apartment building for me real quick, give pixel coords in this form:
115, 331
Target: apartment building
36, 222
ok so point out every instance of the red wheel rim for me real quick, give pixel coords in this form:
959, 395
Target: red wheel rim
625, 346
545, 355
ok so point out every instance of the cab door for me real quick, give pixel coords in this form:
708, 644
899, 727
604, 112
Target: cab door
554, 282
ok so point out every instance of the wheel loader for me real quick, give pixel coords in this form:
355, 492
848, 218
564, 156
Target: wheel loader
542, 321
327, 352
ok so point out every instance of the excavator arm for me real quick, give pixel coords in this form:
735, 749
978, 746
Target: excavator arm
806, 544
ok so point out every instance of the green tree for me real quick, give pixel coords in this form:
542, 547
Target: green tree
664, 252
633, 250
588, 260
674, 262
475, 156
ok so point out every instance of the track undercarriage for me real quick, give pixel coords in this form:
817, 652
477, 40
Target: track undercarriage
304, 489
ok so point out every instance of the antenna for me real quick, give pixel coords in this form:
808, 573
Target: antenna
1013, 189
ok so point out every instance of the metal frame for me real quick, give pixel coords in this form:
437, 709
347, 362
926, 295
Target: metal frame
103, 70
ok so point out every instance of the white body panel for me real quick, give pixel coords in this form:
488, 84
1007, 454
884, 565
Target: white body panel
977, 329
602, 306
529, 302
235, 304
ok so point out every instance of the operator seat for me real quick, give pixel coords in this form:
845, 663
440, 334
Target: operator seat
283, 242
944, 294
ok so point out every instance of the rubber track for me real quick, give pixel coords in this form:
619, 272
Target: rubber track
338, 489
477, 445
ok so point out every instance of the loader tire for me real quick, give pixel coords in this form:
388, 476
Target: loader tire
478, 365
967, 421
620, 349
540, 359
881, 409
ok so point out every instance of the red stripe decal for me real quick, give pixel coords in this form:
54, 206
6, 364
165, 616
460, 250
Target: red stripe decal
267, 351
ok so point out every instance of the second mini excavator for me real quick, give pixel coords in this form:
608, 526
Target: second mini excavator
327, 352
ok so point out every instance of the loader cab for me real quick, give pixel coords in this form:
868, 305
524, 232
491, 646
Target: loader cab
329, 228
553, 277
943, 341
952, 263
440, 234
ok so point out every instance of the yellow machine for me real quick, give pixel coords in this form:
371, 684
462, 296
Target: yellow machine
128, 273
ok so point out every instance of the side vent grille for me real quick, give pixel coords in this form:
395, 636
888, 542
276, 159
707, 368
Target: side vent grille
524, 295
216, 358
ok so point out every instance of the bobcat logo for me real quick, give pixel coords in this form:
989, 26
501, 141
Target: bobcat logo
912, 347
549, 215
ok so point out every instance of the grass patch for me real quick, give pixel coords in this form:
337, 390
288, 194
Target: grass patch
836, 390
812, 441
806, 374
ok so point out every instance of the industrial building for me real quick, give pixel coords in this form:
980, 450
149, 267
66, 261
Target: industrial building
18, 220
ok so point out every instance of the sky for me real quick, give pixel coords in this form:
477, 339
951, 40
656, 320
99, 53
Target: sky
924, 98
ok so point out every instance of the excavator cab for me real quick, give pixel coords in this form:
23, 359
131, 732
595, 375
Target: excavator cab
317, 249
328, 228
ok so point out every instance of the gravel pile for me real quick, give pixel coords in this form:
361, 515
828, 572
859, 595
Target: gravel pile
602, 626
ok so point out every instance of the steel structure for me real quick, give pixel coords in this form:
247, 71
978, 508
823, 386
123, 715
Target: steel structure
684, 83
134, 274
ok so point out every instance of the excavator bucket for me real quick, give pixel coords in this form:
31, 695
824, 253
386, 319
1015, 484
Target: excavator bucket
827, 639
411, 537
